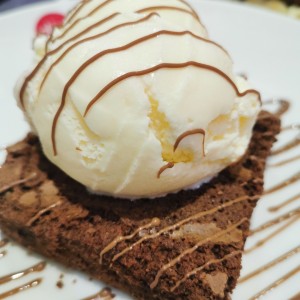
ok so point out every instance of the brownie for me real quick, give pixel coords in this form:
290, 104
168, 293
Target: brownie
186, 245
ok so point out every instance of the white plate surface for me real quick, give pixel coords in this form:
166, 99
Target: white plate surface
265, 46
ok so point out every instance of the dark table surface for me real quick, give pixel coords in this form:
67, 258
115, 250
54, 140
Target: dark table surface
9, 4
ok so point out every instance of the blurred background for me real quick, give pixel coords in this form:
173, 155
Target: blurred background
289, 7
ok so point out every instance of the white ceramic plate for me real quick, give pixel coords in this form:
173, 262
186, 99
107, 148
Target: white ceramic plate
265, 46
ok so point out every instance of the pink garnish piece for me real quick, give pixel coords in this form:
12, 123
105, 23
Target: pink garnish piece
46, 23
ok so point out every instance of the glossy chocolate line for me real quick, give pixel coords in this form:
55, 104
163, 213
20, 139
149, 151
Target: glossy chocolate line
156, 8
3, 242
188, 133
167, 66
291, 127
276, 283
263, 241
77, 10
58, 60
284, 106
207, 264
105, 294
186, 220
285, 161
271, 264
80, 19
3, 253
285, 203
284, 184
131, 74
21, 288
286, 216
292, 144
154, 222
16, 183
86, 30
177, 259
191, 8
41, 212
39, 65
13, 276
169, 165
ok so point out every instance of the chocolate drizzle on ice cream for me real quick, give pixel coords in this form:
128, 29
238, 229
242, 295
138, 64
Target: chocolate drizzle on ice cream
99, 35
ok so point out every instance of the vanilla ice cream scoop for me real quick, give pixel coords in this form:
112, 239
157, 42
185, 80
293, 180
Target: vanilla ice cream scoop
132, 99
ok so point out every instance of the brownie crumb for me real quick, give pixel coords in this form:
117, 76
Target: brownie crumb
59, 284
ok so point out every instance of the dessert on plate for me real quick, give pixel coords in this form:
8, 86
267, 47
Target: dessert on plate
146, 156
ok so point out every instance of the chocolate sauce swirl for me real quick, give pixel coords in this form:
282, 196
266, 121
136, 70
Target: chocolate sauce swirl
136, 73
169, 165
91, 13
188, 133
157, 8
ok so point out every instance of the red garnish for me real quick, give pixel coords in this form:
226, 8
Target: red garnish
46, 23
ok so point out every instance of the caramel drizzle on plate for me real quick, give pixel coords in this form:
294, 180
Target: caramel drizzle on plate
271, 264
21, 288
42, 211
289, 145
154, 222
284, 106
291, 127
105, 294
263, 241
292, 144
284, 203
13, 276
283, 184
16, 183
286, 216
177, 259
207, 264
277, 283
285, 161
